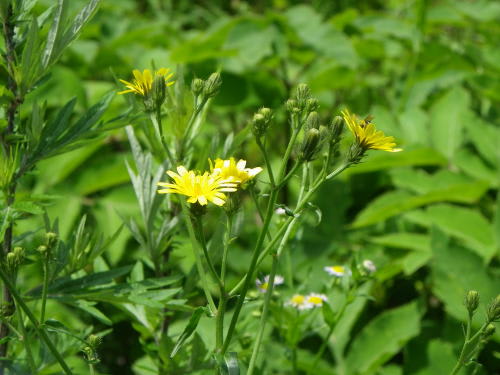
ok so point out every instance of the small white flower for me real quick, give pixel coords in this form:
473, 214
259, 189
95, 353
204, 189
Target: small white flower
299, 301
337, 271
263, 285
280, 211
316, 299
369, 266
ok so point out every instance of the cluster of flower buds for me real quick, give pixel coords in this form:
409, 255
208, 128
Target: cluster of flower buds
14, 259
206, 89
90, 350
261, 122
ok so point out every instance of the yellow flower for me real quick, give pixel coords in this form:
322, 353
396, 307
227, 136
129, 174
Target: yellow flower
367, 136
234, 170
316, 299
143, 82
199, 188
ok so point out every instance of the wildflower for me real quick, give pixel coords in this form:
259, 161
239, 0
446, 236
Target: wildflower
300, 302
369, 266
316, 299
337, 271
143, 82
236, 171
199, 188
367, 136
263, 285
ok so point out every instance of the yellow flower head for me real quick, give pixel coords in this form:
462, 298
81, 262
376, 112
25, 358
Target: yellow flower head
199, 188
143, 82
367, 136
234, 170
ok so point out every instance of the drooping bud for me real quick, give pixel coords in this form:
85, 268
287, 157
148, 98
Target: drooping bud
94, 341
42, 249
494, 310
471, 301
10, 259
197, 86
212, 85
312, 121
310, 144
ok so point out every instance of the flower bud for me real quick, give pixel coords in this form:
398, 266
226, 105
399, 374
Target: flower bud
337, 126
197, 86
310, 144
42, 249
471, 301
355, 153
494, 310
94, 341
261, 121
212, 85
292, 106
159, 91
489, 331
312, 121
10, 259
369, 266
303, 93
312, 104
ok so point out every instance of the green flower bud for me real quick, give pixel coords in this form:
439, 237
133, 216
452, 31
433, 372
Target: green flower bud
310, 144
159, 90
42, 249
494, 310
303, 93
94, 341
212, 85
292, 106
471, 301
11, 261
261, 121
312, 121
197, 86
489, 331
312, 104
337, 126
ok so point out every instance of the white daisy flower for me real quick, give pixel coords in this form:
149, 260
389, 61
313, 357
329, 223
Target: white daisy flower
369, 266
337, 271
316, 299
299, 301
263, 284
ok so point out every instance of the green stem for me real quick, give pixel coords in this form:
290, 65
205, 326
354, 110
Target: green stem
463, 352
199, 263
156, 121
198, 227
39, 329
188, 137
268, 163
251, 269
92, 369
45, 285
267, 301
26, 342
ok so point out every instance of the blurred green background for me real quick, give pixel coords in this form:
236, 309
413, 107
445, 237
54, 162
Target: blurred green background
429, 217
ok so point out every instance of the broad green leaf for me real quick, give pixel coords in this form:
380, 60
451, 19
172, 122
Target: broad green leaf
472, 165
456, 270
382, 338
376, 161
441, 358
396, 202
322, 36
447, 121
403, 240
486, 138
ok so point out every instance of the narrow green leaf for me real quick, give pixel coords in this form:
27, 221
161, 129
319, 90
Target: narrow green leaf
188, 330
55, 32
